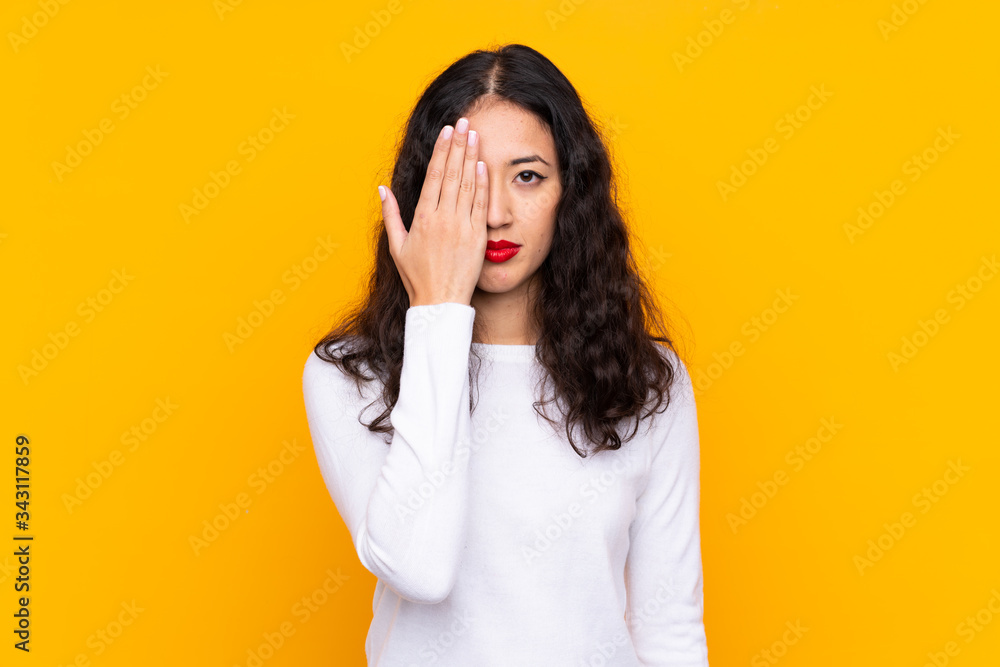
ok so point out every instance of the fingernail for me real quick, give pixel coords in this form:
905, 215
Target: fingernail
447, 132
480, 167
462, 124
381, 193
472, 137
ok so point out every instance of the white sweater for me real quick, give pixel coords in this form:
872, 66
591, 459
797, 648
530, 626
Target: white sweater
493, 542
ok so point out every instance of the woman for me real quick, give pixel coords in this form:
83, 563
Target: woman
501, 535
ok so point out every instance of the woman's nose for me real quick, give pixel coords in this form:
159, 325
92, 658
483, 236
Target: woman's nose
497, 214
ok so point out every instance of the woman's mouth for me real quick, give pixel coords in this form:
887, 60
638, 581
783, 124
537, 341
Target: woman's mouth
500, 251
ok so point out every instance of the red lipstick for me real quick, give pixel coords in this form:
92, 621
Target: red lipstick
501, 251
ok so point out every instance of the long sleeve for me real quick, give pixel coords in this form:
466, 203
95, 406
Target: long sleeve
663, 569
405, 505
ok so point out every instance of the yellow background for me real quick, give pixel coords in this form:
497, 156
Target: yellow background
677, 130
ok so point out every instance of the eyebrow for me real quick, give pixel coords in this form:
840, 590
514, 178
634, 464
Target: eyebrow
528, 158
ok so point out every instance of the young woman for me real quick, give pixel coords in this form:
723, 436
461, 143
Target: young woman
501, 534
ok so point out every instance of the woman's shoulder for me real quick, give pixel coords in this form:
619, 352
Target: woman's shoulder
679, 396
673, 424
679, 369
322, 375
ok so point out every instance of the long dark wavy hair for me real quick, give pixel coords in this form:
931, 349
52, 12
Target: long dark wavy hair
600, 327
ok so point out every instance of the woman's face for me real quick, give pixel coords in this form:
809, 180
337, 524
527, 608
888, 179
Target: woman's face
525, 186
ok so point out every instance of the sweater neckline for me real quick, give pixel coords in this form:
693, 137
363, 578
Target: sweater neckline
505, 352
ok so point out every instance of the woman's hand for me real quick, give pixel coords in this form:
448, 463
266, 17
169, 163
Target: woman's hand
442, 255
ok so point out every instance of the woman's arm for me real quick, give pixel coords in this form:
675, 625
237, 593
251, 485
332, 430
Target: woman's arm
405, 504
663, 571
